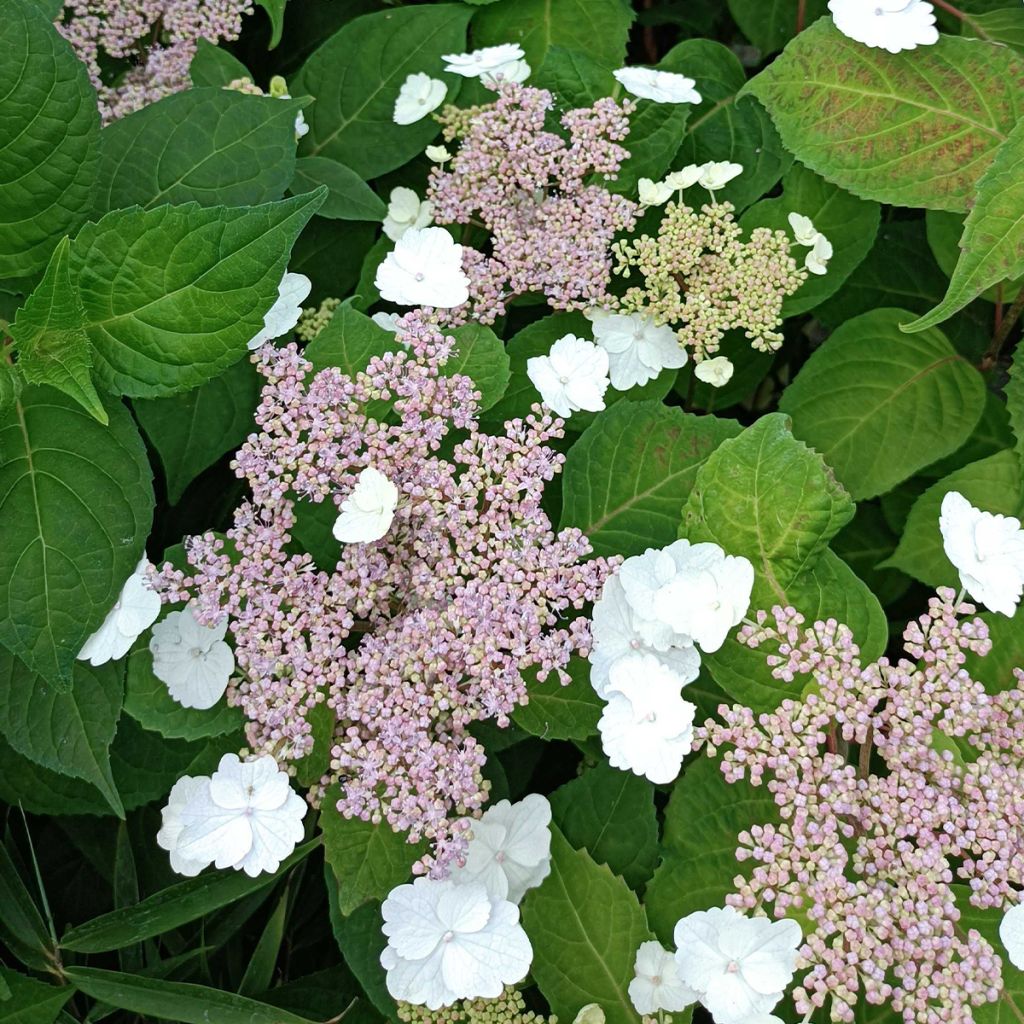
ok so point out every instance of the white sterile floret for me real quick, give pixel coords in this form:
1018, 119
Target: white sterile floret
717, 174
424, 269
739, 965
892, 25
134, 611
660, 86
1011, 934
489, 60
437, 154
646, 726
717, 372
448, 941
817, 259
284, 314
245, 816
708, 596
573, 376
510, 851
367, 513
590, 1013
638, 348
513, 71
406, 210
615, 630
387, 321
653, 193
804, 230
192, 660
685, 177
657, 985
419, 95
987, 550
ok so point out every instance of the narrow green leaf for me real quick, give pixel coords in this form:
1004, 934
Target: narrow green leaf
52, 346
355, 77
48, 150
125, 885
201, 280
992, 246
259, 972
175, 1000
173, 907
871, 389
213, 146
348, 196
76, 499
22, 929
610, 814
69, 732
586, 926
26, 1001
368, 860
629, 475
917, 128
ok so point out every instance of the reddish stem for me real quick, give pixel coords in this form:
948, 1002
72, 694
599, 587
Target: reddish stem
965, 18
801, 16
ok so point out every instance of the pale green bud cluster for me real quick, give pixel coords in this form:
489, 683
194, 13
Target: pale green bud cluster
508, 1008
313, 321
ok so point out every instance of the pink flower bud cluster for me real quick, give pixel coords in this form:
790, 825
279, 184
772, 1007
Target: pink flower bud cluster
158, 36
411, 639
551, 231
894, 781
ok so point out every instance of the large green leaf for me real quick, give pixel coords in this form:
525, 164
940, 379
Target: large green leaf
480, 355
992, 247
557, 712
48, 149
66, 731
40, 791
361, 941
76, 501
175, 1000
871, 390
355, 77
629, 475
725, 126
993, 484
704, 817
586, 926
610, 814
192, 431
599, 28
849, 223
170, 908
173, 295
216, 147
770, 24
348, 196
52, 347
917, 128
28, 1001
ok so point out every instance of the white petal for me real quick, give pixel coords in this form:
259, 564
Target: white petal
1011, 934
424, 269
717, 372
418, 96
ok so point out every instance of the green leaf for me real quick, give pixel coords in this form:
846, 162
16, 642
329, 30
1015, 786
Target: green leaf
992, 247
26, 1001
917, 128
368, 860
10, 385
627, 478
40, 791
213, 146
201, 280
575, 79
22, 929
871, 389
77, 502
1005, 25
66, 731
849, 223
1015, 399
361, 941
275, 11
355, 77
993, 484
610, 814
52, 347
480, 354
348, 342
172, 907
1009, 1006
214, 66
726, 126
586, 926
865, 542
705, 814
175, 1000
599, 28
557, 712
192, 431
767, 496
348, 196
770, 24
51, 129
